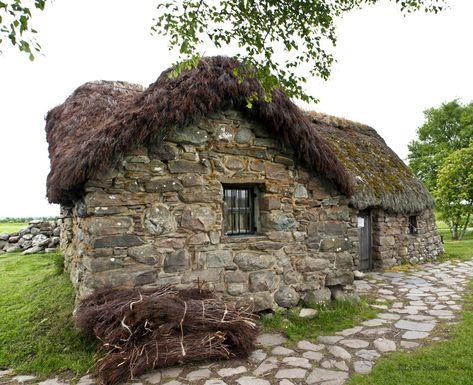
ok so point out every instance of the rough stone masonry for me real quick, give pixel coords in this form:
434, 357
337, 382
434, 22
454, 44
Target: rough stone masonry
156, 218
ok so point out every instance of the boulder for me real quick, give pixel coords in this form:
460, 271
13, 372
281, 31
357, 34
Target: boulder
40, 240
34, 250
218, 258
159, 220
307, 313
176, 261
249, 261
10, 248
339, 294
188, 134
275, 220
358, 274
262, 281
244, 135
144, 254
287, 297
315, 297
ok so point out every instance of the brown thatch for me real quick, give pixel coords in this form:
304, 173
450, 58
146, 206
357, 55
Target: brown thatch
72, 134
119, 366
142, 330
381, 178
101, 121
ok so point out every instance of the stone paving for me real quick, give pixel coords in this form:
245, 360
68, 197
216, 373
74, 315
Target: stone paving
411, 305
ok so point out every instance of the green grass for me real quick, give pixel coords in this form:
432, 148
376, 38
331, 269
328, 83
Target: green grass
11, 227
441, 225
36, 326
37, 333
462, 249
445, 363
330, 318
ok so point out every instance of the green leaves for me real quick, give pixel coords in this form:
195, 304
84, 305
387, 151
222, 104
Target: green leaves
281, 40
15, 25
442, 157
299, 33
446, 129
454, 192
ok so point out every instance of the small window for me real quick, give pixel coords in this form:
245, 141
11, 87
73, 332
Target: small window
412, 225
239, 210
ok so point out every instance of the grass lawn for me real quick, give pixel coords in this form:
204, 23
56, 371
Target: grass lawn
11, 227
329, 319
462, 249
444, 363
36, 326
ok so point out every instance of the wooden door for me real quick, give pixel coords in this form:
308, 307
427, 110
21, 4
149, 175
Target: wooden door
364, 231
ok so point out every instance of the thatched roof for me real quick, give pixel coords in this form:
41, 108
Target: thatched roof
101, 121
381, 178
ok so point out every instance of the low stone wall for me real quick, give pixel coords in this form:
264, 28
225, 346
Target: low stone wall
393, 245
38, 237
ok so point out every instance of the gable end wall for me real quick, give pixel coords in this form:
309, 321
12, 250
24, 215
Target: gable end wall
393, 245
157, 218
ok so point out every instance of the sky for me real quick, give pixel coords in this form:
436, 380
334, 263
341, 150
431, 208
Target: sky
389, 69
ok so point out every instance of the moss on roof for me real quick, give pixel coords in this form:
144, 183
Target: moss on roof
381, 178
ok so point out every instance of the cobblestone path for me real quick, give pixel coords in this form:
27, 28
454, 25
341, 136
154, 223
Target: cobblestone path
418, 300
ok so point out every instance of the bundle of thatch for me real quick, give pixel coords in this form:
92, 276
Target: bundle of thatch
146, 329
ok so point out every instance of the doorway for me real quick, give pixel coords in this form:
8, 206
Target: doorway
365, 250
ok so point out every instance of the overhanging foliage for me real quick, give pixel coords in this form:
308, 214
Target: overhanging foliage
282, 40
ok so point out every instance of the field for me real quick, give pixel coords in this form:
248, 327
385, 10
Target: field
462, 249
36, 328
11, 227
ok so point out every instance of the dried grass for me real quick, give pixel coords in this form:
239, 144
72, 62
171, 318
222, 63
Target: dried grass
101, 121
146, 329
381, 178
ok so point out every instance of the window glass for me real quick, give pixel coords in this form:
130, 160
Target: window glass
412, 224
239, 210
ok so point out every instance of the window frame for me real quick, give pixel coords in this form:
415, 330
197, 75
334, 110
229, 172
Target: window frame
251, 208
412, 225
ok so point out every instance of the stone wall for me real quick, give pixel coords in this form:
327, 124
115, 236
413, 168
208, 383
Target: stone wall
38, 237
392, 243
157, 218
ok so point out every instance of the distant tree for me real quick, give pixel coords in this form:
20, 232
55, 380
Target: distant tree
15, 27
454, 192
300, 32
446, 129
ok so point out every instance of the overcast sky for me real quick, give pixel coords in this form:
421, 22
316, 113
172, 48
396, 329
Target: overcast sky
390, 68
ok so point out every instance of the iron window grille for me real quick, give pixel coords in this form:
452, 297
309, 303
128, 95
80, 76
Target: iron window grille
239, 210
413, 225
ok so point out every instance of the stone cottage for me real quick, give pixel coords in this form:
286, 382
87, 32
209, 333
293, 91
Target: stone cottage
182, 182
